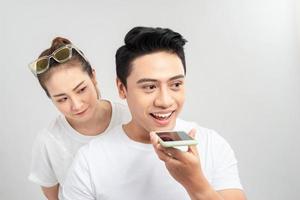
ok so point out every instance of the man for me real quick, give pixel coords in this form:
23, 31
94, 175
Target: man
123, 164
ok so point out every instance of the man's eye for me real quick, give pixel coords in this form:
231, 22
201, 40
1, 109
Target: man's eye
176, 85
149, 88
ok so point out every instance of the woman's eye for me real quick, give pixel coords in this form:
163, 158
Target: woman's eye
82, 90
62, 100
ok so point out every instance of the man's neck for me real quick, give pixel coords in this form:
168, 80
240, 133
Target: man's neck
137, 133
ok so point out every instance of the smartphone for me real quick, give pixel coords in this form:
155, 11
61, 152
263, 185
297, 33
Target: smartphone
175, 138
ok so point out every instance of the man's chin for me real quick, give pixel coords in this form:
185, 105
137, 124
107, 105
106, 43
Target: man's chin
168, 127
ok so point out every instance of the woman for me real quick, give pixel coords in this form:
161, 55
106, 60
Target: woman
70, 82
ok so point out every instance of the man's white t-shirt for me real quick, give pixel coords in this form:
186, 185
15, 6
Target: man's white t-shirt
116, 167
55, 147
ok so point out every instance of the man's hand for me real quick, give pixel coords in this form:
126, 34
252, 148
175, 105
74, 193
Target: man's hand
184, 167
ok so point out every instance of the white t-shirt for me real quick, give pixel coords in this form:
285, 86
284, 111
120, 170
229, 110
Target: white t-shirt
55, 147
116, 167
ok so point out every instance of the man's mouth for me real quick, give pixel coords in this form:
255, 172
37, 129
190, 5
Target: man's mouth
162, 116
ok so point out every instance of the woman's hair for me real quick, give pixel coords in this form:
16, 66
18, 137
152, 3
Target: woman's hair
76, 57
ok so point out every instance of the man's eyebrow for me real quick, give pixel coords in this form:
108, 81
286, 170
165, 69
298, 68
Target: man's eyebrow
177, 77
62, 94
155, 80
146, 80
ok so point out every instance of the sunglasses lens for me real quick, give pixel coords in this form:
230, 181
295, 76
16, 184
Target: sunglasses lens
62, 55
41, 65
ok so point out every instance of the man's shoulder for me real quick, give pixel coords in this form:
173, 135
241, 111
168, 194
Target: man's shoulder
96, 149
106, 138
189, 125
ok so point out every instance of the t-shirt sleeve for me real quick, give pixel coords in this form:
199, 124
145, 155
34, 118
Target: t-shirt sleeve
225, 173
122, 113
78, 184
41, 171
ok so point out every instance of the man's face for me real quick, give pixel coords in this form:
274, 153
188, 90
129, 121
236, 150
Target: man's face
155, 92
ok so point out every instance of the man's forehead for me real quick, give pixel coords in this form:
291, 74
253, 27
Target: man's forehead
156, 66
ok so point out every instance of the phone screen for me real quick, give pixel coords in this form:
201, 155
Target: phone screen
174, 136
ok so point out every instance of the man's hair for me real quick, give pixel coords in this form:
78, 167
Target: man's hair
140, 41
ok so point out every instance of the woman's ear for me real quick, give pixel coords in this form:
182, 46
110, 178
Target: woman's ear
94, 79
121, 89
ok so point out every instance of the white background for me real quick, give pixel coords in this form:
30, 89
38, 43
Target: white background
242, 78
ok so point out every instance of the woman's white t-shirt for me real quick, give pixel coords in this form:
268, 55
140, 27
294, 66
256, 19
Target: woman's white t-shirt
55, 147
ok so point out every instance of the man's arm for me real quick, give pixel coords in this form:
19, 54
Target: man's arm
232, 194
51, 193
185, 168
210, 194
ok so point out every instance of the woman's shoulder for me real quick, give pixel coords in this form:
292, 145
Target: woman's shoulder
120, 112
52, 131
118, 106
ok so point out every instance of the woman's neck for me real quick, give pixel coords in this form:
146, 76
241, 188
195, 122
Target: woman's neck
99, 121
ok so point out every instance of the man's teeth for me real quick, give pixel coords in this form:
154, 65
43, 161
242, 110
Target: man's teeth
162, 116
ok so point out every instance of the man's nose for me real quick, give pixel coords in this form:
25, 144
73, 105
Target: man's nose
164, 98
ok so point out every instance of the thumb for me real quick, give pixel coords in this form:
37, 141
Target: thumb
192, 133
193, 148
153, 137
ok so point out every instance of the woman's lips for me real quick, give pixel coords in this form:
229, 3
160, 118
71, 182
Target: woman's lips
81, 113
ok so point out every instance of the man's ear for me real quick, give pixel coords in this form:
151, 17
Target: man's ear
121, 89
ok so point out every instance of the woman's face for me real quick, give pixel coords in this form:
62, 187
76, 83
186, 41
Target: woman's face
73, 92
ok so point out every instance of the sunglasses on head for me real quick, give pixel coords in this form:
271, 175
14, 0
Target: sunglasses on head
60, 55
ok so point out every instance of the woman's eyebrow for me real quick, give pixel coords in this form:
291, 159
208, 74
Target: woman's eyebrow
62, 94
